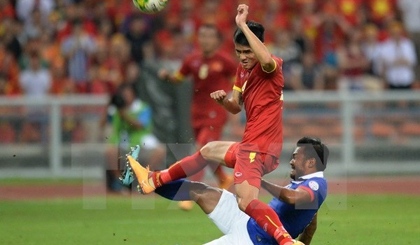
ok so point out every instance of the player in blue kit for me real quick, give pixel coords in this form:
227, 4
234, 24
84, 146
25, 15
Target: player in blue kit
296, 204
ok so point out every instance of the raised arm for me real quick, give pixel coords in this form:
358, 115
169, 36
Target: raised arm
259, 49
289, 196
308, 233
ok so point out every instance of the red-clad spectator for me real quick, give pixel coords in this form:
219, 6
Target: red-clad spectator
50, 51
6, 10
277, 18
75, 12
352, 62
309, 17
61, 83
112, 69
188, 22
214, 13
381, 12
95, 84
9, 70
352, 11
118, 10
330, 35
331, 31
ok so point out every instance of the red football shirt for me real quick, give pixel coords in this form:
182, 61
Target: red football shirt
350, 10
209, 75
379, 10
262, 94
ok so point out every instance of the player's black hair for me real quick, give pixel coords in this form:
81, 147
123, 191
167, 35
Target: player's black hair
314, 148
257, 28
214, 27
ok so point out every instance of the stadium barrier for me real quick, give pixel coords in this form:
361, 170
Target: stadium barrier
367, 132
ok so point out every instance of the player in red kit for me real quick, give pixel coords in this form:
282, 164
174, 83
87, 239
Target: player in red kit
259, 87
211, 69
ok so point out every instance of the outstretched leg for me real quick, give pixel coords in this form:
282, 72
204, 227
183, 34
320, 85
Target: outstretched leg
219, 205
204, 135
205, 196
248, 171
149, 181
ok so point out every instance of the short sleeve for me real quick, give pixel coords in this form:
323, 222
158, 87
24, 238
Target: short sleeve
275, 72
238, 83
185, 67
317, 188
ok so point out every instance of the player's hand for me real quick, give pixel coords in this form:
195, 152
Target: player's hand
241, 15
163, 74
219, 96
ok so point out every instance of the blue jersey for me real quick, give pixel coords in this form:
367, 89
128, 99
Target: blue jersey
295, 218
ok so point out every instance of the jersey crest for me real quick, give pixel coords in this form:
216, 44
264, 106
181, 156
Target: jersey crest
244, 86
313, 185
252, 156
203, 72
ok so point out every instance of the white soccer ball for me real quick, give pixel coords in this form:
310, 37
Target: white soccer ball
150, 6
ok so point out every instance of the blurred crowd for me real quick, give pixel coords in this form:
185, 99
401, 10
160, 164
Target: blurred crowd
90, 46
63, 47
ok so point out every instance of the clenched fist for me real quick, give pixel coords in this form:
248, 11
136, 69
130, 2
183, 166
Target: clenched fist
219, 96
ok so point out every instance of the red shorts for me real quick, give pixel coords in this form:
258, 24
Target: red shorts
250, 166
206, 134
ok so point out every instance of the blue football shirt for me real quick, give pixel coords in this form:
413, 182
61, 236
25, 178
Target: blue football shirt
295, 218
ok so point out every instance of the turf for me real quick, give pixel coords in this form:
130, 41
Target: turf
41, 181
367, 219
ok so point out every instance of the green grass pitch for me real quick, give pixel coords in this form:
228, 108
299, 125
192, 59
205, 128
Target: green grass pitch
361, 219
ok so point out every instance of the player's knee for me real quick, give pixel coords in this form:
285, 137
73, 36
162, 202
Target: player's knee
206, 150
205, 196
243, 202
197, 189
200, 191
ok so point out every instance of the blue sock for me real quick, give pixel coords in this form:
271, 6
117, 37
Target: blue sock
177, 190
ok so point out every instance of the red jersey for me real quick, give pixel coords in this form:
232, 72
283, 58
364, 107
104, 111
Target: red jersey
262, 94
350, 10
209, 75
379, 10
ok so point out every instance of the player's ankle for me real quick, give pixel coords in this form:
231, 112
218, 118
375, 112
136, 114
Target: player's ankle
282, 236
154, 179
286, 241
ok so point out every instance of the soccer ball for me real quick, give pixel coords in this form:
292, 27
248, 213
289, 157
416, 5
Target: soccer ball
150, 6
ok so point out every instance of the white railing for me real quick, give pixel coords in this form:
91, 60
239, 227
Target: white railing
352, 105
344, 152
55, 147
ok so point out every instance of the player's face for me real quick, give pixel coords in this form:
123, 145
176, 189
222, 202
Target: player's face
208, 39
246, 56
129, 95
297, 163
